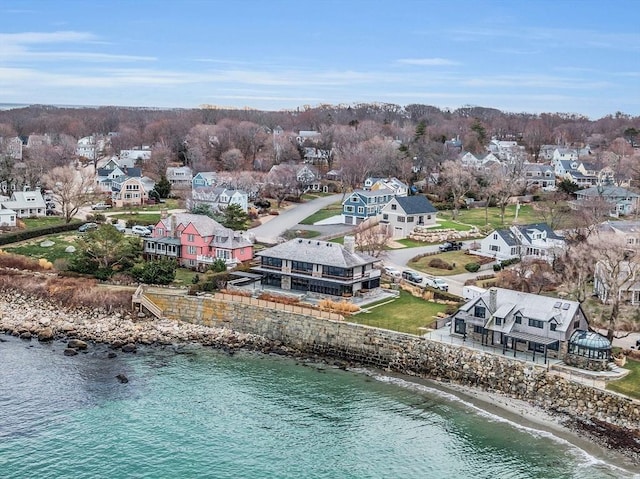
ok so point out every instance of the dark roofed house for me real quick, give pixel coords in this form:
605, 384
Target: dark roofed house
318, 267
404, 213
622, 200
536, 240
517, 321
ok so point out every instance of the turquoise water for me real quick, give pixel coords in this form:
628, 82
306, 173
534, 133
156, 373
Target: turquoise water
211, 415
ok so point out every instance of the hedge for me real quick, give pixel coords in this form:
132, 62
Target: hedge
16, 236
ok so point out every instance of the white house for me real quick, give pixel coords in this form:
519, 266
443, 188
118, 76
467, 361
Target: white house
26, 204
7, 217
534, 241
180, 177
143, 154
540, 176
394, 184
621, 200
218, 199
403, 213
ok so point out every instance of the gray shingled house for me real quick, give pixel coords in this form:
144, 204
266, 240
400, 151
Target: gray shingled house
404, 213
318, 267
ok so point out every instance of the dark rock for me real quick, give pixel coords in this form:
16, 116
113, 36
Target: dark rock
77, 344
122, 378
45, 334
25, 335
70, 352
112, 355
129, 348
116, 344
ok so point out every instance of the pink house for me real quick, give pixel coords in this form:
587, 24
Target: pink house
196, 241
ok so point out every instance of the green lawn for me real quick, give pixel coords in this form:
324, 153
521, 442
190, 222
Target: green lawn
331, 210
33, 249
144, 219
630, 384
455, 258
476, 216
184, 276
450, 224
42, 221
406, 314
291, 234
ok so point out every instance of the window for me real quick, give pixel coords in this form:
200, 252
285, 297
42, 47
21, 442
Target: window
191, 249
536, 323
385, 216
498, 321
361, 209
409, 219
401, 219
479, 311
495, 236
190, 238
494, 247
518, 319
553, 326
394, 207
160, 231
273, 262
576, 324
348, 209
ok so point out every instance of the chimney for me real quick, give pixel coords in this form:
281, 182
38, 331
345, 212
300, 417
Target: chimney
174, 226
493, 299
350, 243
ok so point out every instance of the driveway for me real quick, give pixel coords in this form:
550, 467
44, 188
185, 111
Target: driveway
274, 228
398, 258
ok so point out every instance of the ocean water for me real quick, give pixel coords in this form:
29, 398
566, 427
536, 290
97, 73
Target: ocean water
210, 415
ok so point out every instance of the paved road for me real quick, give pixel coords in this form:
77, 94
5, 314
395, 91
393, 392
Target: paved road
400, 257
272, 229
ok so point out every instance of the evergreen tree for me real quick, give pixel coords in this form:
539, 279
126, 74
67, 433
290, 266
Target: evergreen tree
234, 217
163, 187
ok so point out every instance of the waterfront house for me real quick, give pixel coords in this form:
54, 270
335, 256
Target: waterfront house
318, 267
403, 213
180, 177
540, 176
363, 204
204, 179
196, 242
218, 199
533, 241
520, 321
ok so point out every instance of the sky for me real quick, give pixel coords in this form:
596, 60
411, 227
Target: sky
567, 56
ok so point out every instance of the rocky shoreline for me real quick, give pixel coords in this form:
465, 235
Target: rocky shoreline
38, 319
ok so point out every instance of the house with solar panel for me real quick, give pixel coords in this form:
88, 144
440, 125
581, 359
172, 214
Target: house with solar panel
515, 321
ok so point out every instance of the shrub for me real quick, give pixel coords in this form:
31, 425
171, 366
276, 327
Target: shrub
217, 266
497, 267
472, 267
440, 264
161, 271
131, 223
342, 307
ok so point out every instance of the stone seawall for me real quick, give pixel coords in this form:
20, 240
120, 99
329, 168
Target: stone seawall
406, 354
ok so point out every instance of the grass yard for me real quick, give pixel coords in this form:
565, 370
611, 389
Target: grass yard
184, 276
450, 224
42, 221
291, 234
410, 243
455, 258
406, 314
33, 249
630, 384
476, 216
139, 218
331, 210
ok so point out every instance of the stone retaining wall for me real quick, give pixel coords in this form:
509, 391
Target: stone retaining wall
406, 354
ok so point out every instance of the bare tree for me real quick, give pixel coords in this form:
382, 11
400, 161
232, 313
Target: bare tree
70, 188
459, 181
282, 182
232, 160
372, 238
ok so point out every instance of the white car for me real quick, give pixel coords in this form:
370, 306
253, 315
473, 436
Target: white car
100, 206
390, 271
436, 283
120, 227
141, 230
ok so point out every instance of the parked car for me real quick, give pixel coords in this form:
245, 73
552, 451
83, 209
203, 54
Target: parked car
412, 276
436, 283
394, 273
100, 206
141, 230
120, 227
262, 204
87, 227
450, 246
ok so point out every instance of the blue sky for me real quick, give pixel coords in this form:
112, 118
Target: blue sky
573, 56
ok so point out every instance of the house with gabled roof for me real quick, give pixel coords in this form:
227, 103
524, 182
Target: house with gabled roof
7, 217
106, 176
25, 204
204, 179
403, 213
622, 200
538, 175
320, 267
362, 204
180, 177
218, 199
131, 190
520, 321
196, 242
533, 241
398, 187
12, 147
